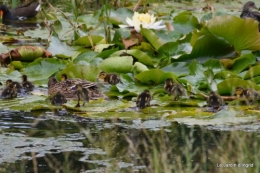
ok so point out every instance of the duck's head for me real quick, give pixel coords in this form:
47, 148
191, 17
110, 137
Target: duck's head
8, 82
52, 81
24, 78
64, 77
249, 6
102, 75
239, 91
169, 81
147, 92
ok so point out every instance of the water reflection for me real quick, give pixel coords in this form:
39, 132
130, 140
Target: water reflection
53, 142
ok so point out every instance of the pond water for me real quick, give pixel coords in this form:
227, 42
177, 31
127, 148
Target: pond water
63, 142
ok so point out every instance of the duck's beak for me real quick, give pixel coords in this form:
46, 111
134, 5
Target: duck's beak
1, 14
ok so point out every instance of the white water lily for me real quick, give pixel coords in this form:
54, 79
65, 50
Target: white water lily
144, 19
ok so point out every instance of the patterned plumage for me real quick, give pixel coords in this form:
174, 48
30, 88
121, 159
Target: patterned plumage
112, 78
248, 94
10, 92
247, 12
66, 88
214, 100
58, 99
82, 94
27, 85
174, 88
144, 99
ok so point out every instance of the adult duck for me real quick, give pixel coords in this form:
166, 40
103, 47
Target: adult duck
67, 88
247, 12
22, 12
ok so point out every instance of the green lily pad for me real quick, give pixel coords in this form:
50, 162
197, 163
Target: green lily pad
89, 73
252, 72
87, 40
243, 62
119, 15
185, 22
154, 76
123, 64
227, 87
42, 69
246, 37
138, 54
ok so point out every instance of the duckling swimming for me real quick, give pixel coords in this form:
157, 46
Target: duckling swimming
27, 85
9, 92
215, 101
58, 99
14, 84
112, 78
82, 94
174, 89
144, 99
8, 82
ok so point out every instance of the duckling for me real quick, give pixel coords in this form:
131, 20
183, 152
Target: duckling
82, 94
174, 88
27, 85
248, 94
112, 78
10, 92
8, 82
214, 100
58, 99
64, 77
144, 99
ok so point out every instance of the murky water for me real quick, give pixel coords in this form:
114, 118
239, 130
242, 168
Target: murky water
61, 142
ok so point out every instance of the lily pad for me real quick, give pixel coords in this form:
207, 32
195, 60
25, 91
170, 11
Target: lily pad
119, 64
154, 76
246, 37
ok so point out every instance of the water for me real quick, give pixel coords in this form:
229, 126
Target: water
61, 142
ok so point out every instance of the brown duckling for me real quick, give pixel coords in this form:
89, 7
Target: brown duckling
10, 91
58, 99
248, 94
144, 99
174, 88
215, 101
247, 12
82, 94
64, 77
112, 78
27, 85
8, 82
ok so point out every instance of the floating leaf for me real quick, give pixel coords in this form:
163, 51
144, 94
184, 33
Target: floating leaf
227, 87
185, 22
243, 62
89, 73
119, 64
154, 76
252, 72
241, 33
42, 69
119, 16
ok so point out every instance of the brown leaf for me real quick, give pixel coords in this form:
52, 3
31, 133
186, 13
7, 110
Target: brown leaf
21, 53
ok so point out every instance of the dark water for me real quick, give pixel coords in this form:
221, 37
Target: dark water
61, 142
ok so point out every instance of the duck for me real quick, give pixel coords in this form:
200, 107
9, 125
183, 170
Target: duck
111, 78
12, 84
58, 99
174, 88
143, 99
22, 12
64, 77
248, 94
82, 94
10, 92
214, 100
247, 12
67, 88
27, 85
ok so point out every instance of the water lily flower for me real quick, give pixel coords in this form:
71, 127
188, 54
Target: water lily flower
144, 19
